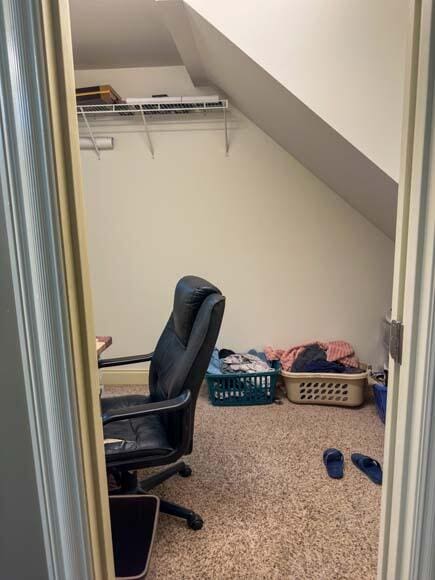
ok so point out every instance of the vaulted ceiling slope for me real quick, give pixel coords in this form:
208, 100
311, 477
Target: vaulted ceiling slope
283, 116
343, 60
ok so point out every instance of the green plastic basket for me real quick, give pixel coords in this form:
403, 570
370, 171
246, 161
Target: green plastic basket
235, 389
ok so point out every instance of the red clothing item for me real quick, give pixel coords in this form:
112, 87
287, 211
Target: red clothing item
336, 351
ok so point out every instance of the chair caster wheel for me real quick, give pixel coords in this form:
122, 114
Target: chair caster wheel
195, 522
186, 472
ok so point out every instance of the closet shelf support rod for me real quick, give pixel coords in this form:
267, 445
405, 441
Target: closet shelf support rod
227, 143
91, 135
150, 143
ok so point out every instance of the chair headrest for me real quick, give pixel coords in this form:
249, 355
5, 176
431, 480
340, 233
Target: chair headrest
190, 293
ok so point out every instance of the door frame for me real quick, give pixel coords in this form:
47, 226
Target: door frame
409, 474
61, 90
409, 464
42, 220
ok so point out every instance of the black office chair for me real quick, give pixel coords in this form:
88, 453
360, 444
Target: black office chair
158, 429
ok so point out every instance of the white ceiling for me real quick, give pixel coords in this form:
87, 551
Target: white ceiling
120, 33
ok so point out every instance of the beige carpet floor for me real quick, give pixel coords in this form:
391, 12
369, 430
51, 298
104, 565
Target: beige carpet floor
270, 511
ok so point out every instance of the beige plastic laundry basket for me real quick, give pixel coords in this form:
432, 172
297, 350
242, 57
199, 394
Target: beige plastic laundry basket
345, 390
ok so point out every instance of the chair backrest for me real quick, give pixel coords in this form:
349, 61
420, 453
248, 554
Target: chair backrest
185, 347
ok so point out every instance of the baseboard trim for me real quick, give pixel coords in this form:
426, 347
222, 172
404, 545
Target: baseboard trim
124, 377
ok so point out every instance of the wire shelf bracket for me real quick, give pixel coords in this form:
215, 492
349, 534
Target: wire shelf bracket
147, 132
227, 143
91, 135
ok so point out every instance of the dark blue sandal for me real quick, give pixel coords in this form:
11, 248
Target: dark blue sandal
334, 463
368, 466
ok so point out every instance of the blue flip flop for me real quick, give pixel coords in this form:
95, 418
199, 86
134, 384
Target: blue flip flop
368, 466
334, 463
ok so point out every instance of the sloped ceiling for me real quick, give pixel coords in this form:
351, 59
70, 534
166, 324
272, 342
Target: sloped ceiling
343, 60
279, 113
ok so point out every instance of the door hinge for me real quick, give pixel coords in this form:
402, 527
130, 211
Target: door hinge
396, 341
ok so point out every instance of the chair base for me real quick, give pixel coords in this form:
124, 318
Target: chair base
129, 484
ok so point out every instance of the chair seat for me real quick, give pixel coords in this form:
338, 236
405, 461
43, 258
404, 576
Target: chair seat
145, 436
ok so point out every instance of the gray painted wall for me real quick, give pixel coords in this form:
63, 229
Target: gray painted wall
43, 518
22, 550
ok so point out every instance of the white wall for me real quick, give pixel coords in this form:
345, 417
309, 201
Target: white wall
294, 260
344, 60
140, 82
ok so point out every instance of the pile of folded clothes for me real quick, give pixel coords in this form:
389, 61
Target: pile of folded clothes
226, 361
336, 356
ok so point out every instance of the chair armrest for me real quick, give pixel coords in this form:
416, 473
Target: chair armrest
124, 360
160, 407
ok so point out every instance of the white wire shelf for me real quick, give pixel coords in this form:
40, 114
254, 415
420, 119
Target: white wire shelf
147, 113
